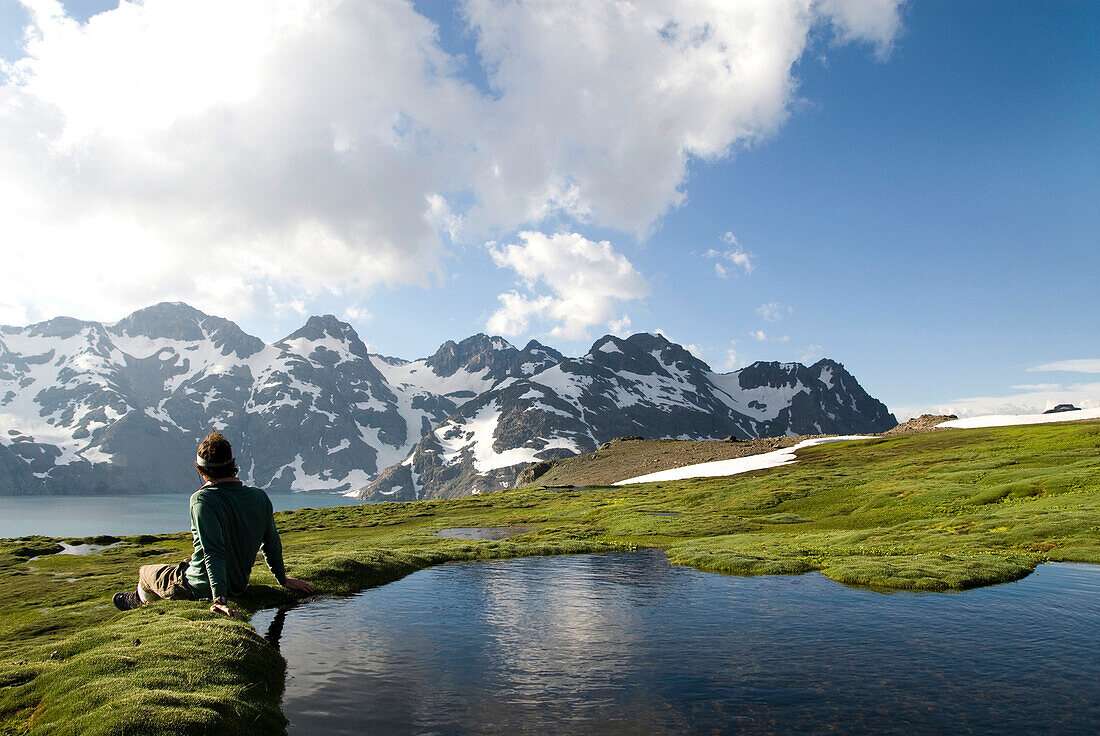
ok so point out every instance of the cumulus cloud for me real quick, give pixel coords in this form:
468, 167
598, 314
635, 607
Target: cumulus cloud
586, 282
811, 354
761, 336
1084, 365
735, 257
358, 313
695, 350
774, 311
211, 151
874, 21
732, 360
298, 306
619, 327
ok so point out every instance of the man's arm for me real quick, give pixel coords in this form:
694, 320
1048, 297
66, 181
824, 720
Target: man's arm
272, 548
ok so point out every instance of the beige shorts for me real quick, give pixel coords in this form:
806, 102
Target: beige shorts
165, 581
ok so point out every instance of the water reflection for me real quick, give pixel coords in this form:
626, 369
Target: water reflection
628, 644
274, 634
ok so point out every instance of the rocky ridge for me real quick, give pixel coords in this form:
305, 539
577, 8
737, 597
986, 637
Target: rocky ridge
643, 385
88, 407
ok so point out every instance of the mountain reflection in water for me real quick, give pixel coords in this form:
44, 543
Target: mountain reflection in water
626, 643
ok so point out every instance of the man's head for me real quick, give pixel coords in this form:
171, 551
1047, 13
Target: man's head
214, 459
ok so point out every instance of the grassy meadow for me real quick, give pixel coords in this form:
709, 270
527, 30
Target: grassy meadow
940, 511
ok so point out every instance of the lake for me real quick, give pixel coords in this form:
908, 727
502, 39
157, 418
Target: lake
87, 516
628, 644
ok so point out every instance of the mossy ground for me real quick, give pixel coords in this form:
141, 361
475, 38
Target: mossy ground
938, 511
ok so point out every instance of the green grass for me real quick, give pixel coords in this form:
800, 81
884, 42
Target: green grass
940, 511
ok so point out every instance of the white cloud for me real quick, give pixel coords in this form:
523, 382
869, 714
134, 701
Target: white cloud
12, 312
586, 280
619, 327
811, 354
732, 361
875, 21
735, 256
298, 306
1081, 395
324, 146
695, 350
1084, 365
774, 311
761, 336
358, 313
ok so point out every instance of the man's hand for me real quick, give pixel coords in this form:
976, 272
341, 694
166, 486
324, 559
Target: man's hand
299, 585
224, 608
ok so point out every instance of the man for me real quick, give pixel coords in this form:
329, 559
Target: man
230, 523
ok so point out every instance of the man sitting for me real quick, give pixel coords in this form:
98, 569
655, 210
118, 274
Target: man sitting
230, 523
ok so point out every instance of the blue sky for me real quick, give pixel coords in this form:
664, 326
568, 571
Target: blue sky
916, 195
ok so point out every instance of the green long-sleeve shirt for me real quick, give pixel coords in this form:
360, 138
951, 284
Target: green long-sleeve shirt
230, 523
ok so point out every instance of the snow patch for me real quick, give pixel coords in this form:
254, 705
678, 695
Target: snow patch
738, 465
417, 376
1008, 420
763, 403
477, 435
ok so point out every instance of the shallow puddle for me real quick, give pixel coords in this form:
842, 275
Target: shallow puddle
628, 644
494, 533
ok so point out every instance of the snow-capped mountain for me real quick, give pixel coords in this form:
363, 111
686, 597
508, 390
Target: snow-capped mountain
95, 408
641, 386
87, 407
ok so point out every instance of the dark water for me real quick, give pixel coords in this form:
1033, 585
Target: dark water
88, 516
626, 644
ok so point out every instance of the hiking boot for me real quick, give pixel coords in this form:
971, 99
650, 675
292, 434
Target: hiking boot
127, 600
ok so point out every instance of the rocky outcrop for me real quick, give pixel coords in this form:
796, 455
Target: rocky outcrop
923, 423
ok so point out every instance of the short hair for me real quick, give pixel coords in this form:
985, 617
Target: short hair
217, 453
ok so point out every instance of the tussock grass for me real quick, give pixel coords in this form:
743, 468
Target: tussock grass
939, 511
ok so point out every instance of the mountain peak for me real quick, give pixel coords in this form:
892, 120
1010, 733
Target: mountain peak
318, 328
330, 324
667, 352
180, 321
647, 340
474, 353
60, 327
174, 320
534, 346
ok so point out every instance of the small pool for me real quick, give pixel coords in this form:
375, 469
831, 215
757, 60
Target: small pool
495, 533
627, 644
